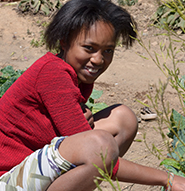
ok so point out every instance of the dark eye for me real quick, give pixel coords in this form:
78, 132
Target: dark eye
109, 51
88, 48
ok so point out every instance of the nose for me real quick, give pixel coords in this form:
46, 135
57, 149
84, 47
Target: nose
97, 58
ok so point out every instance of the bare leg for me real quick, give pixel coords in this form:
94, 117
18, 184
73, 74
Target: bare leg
121, 122
84, 150
114, 131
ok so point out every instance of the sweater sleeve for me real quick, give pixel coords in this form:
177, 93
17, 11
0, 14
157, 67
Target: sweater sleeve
57, 87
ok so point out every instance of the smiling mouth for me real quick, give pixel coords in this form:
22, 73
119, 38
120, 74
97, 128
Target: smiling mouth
92, 70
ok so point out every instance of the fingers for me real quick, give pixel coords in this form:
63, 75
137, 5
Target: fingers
178, 183
88, 115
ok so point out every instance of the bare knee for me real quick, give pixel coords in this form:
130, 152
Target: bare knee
87, 148
127, 119
117, 119
104, 144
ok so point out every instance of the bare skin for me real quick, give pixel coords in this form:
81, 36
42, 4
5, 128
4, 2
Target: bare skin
123, 130
121, 122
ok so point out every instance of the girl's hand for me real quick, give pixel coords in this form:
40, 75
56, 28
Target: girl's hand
88, 115
178, 183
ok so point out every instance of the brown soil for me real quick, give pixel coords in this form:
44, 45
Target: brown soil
128, 78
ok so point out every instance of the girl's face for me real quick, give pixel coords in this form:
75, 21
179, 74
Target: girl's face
91, 52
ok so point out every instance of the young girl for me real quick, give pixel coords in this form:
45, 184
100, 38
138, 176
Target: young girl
43, 115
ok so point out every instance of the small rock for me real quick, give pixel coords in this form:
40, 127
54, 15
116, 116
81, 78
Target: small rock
154, 43
111, 95
14, 58
145, 101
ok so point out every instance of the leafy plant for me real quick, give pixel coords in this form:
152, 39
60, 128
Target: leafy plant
8, 77
35, 6
127, 2
169, 117
176, 157
172, 13
95, 107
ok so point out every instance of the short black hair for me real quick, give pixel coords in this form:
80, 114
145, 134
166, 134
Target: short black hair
77, 14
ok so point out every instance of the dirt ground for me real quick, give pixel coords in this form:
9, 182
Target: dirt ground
128, 78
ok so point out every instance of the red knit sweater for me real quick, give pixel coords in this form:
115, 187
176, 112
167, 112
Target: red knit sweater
43, 103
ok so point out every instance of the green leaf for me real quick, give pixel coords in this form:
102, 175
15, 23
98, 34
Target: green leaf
95, 107
37, 8
170, 162
166, 14
182, 23
177, 120
179, 144
23, 5
45, 9
102, 173
4, 87
34, 3
96, 94
8, 71
160, 10
98, 107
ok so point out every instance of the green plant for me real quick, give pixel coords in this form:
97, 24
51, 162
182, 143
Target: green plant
105, 176
127, 2
35, 6
8, 77
95, 107
172, 13
167, 60
176, 157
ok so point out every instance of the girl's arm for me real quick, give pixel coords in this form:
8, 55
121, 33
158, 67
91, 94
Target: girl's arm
135, 173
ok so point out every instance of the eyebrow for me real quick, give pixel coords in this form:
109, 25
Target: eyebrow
96, 44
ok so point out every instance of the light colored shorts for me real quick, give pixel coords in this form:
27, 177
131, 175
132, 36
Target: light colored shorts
38, 170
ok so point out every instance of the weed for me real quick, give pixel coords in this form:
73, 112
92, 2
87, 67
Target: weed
169, 117
105, 175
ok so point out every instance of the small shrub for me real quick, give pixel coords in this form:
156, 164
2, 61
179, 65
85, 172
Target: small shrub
8, 77
35, 6
172, 13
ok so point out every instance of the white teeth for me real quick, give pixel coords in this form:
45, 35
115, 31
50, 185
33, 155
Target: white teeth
92, 70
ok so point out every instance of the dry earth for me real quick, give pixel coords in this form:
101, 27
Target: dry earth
128, 78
